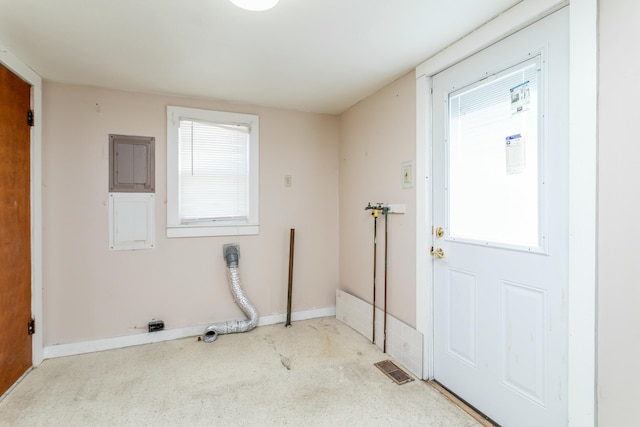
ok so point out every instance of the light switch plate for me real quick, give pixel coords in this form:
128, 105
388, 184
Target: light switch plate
407, 174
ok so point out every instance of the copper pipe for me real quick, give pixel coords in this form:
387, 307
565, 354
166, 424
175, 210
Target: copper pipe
385, 211
375, 253
292, 236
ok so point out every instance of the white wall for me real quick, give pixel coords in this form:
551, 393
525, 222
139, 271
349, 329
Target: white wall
619, 214
92, 293
376, 136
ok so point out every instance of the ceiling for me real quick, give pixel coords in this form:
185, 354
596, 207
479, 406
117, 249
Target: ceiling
309, 55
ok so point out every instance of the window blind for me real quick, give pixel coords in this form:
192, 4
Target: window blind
479, 107
214, 171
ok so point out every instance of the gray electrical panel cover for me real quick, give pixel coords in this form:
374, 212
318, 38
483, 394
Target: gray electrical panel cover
131, 164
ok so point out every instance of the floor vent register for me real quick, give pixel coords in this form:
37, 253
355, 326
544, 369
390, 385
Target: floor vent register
392, 370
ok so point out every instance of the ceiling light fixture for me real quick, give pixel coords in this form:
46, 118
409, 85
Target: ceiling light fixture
255, 5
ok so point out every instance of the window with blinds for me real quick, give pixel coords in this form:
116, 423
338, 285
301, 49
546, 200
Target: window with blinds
212, 167
214, 171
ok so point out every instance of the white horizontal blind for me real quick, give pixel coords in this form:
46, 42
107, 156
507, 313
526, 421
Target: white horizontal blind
214, 171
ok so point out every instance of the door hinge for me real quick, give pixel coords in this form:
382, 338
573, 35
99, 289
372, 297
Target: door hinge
30, 117
31, 328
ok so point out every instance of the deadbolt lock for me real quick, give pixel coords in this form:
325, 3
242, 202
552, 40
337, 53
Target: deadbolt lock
438, 253
439, 232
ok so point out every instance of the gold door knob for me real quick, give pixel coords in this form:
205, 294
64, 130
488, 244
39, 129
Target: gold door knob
438, 253
439, 232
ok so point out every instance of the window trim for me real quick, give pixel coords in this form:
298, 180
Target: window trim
175, 228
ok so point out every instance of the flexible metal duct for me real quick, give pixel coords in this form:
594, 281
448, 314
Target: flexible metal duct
231, 255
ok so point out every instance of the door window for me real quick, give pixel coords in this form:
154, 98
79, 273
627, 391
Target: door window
494, 180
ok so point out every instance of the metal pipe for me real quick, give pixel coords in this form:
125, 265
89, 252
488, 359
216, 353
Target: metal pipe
375, 211
385, 211
375, 254
292, 236
232, 256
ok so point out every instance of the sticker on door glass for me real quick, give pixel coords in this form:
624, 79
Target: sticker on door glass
520, 98
514, 150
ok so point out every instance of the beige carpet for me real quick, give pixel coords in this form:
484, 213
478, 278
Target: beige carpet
316, 373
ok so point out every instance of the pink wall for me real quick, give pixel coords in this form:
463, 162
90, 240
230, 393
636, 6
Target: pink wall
376, 136
92, 293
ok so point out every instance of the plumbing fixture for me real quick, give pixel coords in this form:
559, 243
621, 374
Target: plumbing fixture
376, 210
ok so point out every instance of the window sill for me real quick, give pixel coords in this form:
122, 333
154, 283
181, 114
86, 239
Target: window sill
196, 231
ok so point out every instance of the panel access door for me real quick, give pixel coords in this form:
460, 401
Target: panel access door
500, 209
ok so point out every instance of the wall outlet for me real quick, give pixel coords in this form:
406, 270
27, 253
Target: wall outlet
156, 325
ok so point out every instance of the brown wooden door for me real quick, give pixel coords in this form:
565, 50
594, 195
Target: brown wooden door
15, 225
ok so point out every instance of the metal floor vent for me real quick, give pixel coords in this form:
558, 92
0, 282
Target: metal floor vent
392, 370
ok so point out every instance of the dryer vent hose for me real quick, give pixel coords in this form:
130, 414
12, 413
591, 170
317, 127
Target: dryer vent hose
232, 256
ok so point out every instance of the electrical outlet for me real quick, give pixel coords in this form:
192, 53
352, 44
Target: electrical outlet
156, 325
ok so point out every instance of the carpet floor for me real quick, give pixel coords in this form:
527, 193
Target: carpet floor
318, 372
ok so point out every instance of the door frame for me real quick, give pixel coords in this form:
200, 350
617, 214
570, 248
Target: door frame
582, 367
27, 74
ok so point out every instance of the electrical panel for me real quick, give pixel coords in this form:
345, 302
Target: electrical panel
131, 192
131, 164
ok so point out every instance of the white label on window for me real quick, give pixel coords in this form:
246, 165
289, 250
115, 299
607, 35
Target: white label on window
520, 98
514, 150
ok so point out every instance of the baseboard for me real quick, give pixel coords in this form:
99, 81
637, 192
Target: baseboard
404, 343
62, 350
297, 316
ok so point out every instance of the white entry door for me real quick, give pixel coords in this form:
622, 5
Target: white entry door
500, 240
